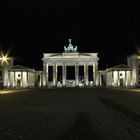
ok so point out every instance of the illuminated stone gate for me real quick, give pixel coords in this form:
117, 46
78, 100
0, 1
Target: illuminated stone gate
70, 57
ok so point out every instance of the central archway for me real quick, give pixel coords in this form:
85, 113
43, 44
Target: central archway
70, 73
70, 76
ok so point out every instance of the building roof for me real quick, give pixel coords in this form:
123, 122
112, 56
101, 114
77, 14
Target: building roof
21, 68
71, 58
70, 55
120, 67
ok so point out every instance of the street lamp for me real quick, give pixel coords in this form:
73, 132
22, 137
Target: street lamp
3, 59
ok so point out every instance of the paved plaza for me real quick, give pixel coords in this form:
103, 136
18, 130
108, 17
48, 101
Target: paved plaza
70, 114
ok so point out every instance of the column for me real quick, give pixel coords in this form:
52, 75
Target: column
77, 75
131, 78
27, 79
93, 74
64, 75
40, 84
21, 84
9, 79
46, 74
126, 78
118, 79
96, 74
86, 74
95, 68
9, 82
113, 80
54, 75
14, 79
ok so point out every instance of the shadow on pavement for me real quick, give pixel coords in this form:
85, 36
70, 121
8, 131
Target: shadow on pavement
118, 107
81, 129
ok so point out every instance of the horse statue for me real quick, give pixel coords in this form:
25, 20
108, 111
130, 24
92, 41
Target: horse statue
65, 49
70, 47
75, 49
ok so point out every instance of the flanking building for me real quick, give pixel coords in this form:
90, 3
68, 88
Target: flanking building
134, 62
119, 76
19, 76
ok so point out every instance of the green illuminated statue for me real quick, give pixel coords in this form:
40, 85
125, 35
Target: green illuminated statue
70, 47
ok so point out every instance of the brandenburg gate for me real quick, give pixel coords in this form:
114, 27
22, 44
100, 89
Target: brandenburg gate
70, 57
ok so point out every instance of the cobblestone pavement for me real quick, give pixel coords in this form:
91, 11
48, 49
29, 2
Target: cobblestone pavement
69, 114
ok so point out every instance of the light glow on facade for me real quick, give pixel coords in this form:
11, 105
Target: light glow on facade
138, 57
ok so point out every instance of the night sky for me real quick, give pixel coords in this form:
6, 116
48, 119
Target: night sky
29, 29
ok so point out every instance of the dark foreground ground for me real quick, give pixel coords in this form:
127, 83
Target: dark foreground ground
70, 114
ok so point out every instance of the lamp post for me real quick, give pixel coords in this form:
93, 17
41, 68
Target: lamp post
3, 60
